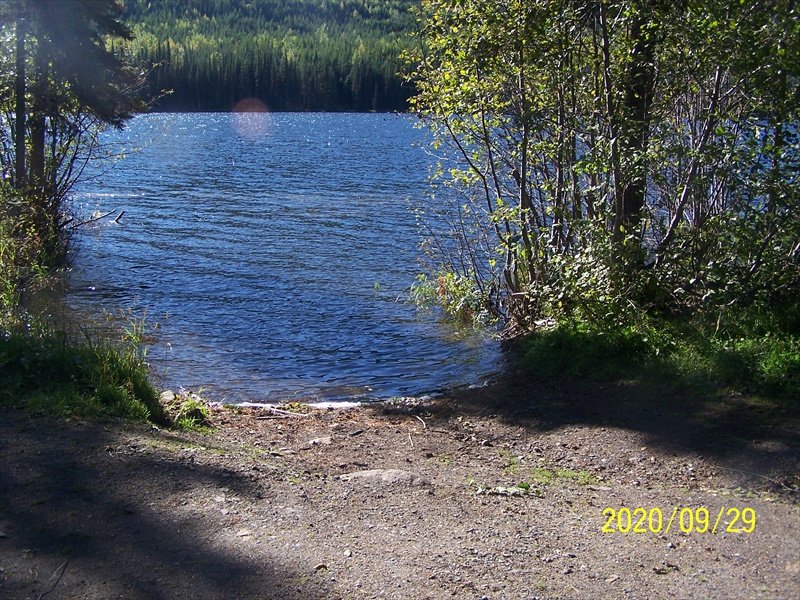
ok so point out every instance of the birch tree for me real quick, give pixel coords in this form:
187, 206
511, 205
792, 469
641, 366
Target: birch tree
604, 156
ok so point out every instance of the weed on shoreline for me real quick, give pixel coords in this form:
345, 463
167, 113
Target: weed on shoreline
47, 372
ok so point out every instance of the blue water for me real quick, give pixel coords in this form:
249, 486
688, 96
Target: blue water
272, 255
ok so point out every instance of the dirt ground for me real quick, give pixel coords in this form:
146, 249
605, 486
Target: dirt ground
497, 492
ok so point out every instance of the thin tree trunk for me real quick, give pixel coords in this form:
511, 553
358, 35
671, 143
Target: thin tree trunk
694, 167
20, 108
611, 115
37, 123
638, 99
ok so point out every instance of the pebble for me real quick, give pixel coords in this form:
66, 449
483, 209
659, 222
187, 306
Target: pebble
321, 441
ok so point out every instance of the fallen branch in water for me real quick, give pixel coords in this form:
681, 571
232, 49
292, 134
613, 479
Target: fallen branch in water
99, 218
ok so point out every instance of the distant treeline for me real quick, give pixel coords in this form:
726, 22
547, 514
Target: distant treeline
291, 54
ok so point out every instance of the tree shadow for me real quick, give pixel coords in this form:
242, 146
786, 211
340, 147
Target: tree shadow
756, 436
78, 523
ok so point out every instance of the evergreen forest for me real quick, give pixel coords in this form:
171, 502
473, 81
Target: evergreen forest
303, 55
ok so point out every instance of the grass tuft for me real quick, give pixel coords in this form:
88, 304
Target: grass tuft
49, 373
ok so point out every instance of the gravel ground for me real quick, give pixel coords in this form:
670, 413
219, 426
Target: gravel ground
496, 492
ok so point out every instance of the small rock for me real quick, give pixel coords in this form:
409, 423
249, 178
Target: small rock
387, 476
321, 567
321, 441
244, 533
348, 553
665, 568
167, 397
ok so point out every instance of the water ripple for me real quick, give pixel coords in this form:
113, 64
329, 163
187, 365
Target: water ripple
273, 265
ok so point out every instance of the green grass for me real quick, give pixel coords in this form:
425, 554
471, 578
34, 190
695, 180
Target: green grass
52, 374
581, 352
44, 369
547, 476
757, 356
191, 414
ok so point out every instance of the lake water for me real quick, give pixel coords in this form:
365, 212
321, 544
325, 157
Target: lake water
272, 255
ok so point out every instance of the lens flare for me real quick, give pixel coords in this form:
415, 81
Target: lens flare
251, 119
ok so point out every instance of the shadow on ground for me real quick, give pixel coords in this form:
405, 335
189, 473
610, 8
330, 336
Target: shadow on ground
756, 436
78, 520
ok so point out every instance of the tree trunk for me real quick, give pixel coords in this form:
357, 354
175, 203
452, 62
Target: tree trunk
39, 108
638, 100
612, 118
20, 108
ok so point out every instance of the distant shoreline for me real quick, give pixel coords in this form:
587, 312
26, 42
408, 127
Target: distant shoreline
282, 111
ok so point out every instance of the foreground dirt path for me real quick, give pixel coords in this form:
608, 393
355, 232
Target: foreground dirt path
273, 506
